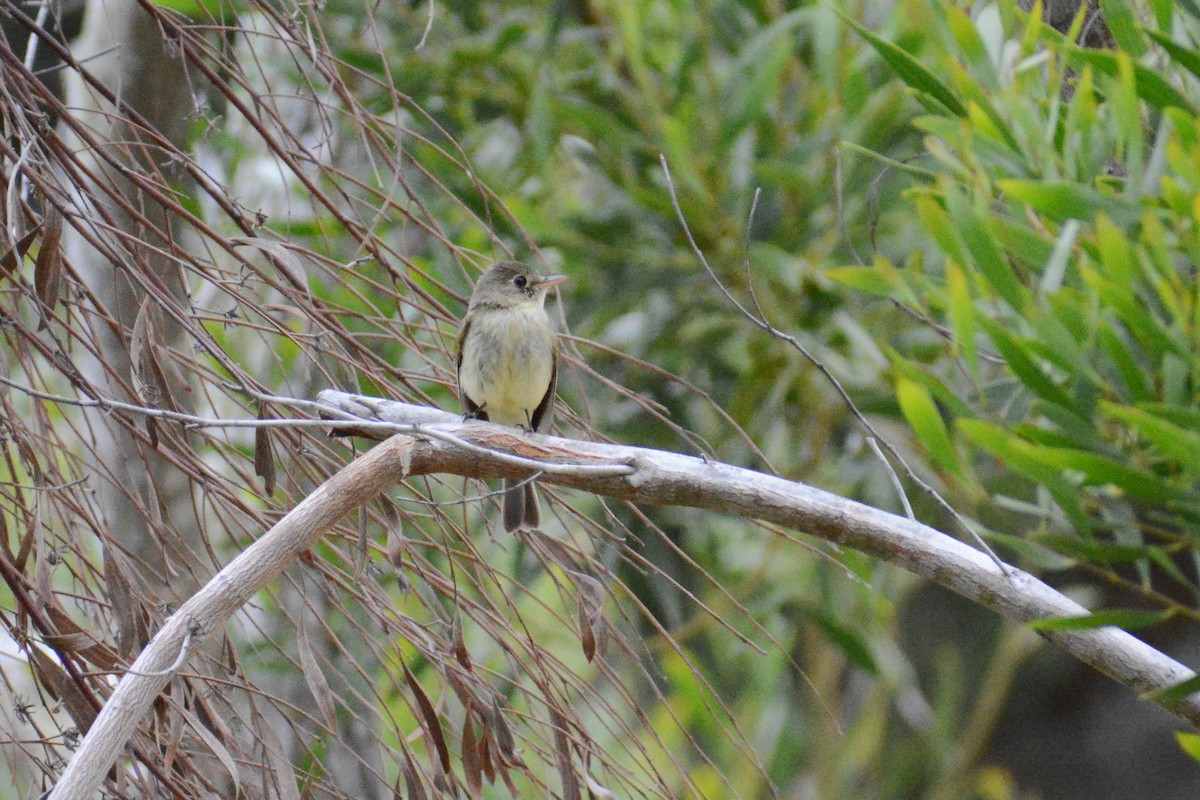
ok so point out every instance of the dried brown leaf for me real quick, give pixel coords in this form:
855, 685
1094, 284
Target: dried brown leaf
47, 268
213, 744
264, 459
586, 636
471, 761
457, 683
133, 620
149, 381
58, 684
282, 769
412, 780
562, 753
283, 257
433, 728
597, 790
315, 679
10, 262
505, 742
397, 543
487, 753
68, 637
458, 644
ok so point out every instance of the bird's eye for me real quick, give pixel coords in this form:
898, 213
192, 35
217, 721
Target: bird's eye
520, 281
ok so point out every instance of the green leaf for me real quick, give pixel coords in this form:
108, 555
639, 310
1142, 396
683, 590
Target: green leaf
1179, 444
1132, 312
849, 642
971, 45
1015, 452
1133, 376
1093, 551
909, 70
1023, 243
1183, 56
1123, 26
1116, 252
1189, 742
755, 76
1120, 618
923, 416
1173, 694
938, 225
1102, 470
962, 318
950, 399
985, 251
1023, 366
1064, 200
882, 278
1031, 552
1151, 87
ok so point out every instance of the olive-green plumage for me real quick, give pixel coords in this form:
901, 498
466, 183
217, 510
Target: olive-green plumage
508, 364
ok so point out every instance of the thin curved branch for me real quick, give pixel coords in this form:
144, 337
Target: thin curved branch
482, 450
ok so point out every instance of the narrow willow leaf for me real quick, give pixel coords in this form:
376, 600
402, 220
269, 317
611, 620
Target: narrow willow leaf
852, 644
214, 746
1014, 452
938, 224
318, 686
1023, 366
909, 70
1100, 470
55, 680
1093, 551
1181, 445
1056, 266
429, 718
1064, 200
962, 318
11, 260
926, 421
1173, 694
1151, 87
1121, 23
1119, 618
1185, 57
472, 762
47, 268
985, 250
264, 459
1188, 742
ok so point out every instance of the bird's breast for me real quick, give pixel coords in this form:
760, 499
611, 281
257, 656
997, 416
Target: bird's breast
507, 363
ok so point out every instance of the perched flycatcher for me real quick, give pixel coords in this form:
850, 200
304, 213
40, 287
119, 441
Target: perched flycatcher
508, 364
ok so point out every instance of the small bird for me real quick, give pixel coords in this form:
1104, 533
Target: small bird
508, 364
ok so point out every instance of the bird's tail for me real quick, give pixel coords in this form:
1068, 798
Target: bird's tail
520, 506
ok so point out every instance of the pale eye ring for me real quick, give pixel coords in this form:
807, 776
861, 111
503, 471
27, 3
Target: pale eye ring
520, 281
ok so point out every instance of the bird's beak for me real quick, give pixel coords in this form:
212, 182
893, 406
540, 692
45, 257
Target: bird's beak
551, 280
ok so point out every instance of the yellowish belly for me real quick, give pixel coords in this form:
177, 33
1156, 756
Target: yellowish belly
508, 360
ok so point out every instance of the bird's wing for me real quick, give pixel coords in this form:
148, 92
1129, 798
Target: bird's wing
469, 408
544, 413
